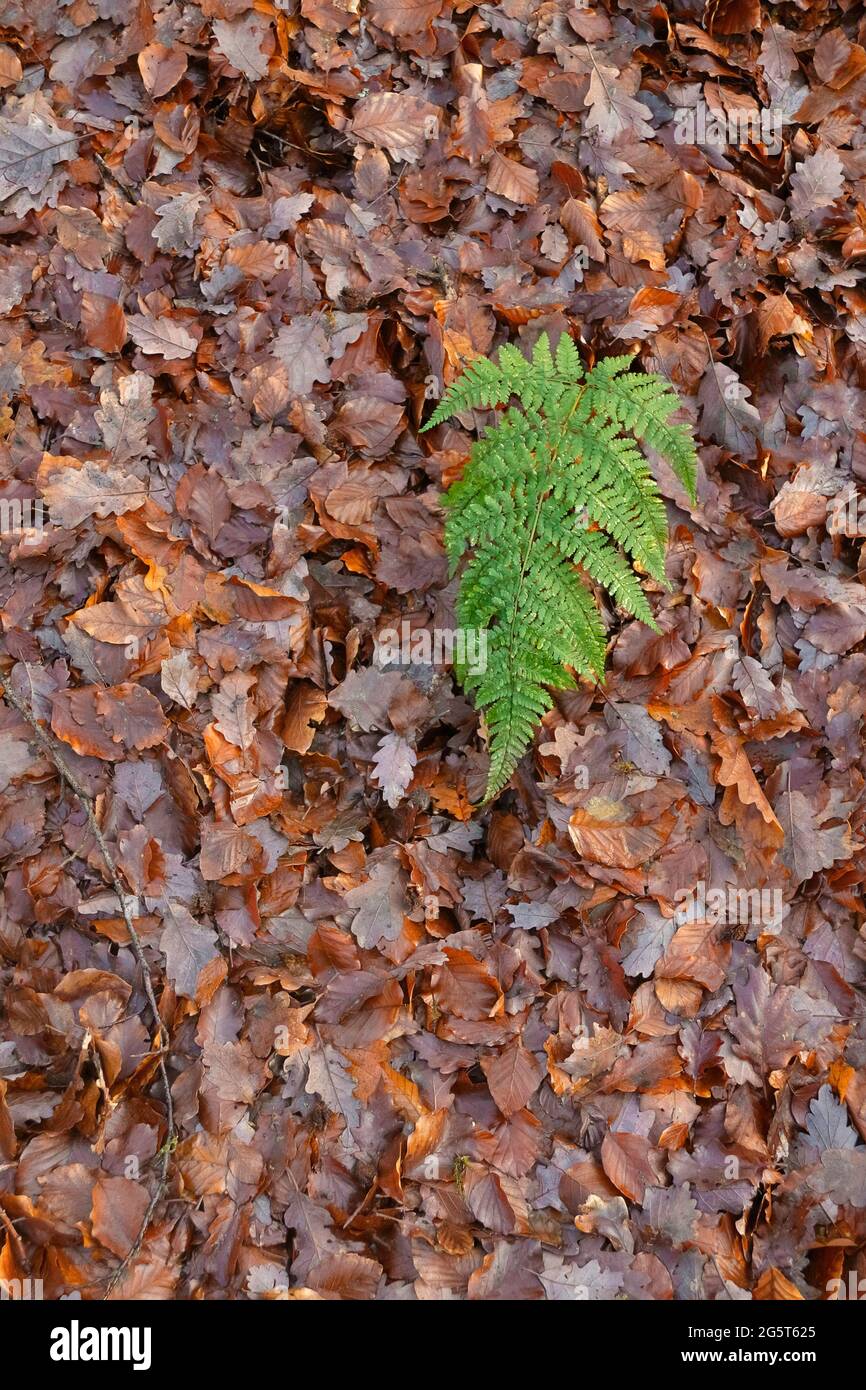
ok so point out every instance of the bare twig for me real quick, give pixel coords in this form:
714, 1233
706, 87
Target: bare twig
162, 1040
126, 189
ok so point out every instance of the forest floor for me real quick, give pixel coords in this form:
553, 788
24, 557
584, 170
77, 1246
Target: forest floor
606, 1037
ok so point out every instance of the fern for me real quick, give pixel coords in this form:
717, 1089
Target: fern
555, 488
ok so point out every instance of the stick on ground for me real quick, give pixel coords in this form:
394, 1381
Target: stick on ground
65, 771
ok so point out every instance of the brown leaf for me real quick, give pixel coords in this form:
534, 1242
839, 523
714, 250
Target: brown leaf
816, 182
305, 708
164, 336
246, 42
464, 986
82, 233
809, 846
626, 1161
179, 679
396, 122
735, 771
10, 67
188, 947
513, 1076
233, 710
31, 144
404, 16
777, 317
108, 722
103, 321
776, 1287
161, 68
472, 135
76, 490
119, 1205
516, 182
605, 834
393, 767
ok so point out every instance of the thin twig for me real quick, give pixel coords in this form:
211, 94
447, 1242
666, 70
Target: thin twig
162, 1040
126, 189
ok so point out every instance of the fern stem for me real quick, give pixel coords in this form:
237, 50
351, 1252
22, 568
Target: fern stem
542, 497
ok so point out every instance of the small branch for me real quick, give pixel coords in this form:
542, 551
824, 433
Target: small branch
126, 189
162, 1040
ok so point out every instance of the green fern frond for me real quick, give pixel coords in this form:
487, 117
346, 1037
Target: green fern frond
556, 493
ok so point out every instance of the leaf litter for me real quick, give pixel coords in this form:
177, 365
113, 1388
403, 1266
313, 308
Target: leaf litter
415, 1052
